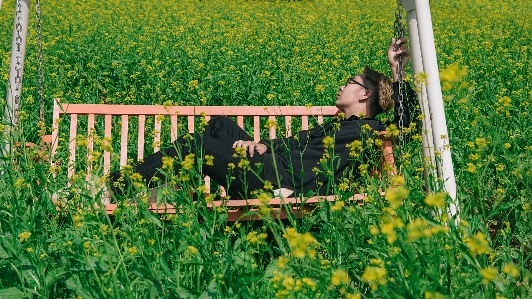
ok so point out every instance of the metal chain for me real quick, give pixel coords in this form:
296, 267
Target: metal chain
399, 33
38, 28
18, 65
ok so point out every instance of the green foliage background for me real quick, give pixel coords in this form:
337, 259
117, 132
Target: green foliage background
274, 53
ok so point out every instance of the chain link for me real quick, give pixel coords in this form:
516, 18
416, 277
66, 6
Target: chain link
18, 65
38, 29
399, 33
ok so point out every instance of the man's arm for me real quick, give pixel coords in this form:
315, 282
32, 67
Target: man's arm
398, 51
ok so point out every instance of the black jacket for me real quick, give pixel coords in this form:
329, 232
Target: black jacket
297, 158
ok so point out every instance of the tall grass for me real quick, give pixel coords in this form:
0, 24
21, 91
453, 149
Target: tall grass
272, 53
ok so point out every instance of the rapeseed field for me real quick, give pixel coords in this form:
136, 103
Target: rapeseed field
242, 53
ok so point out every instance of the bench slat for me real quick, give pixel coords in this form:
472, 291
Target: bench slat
90, 142
256, 128
190, 124
107, 142
173, 127
272, 127
288, 125
123, 140
72, 144
140, 144
157, 134
304, 122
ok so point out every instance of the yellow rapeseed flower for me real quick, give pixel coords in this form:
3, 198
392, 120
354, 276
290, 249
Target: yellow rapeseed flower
395, 196
338, 205
339, 277
478, 244
436, 200
23, 236
209, 160
301, 244
254, 238
511, 269
375, 276
168, 163
488, 274
189, 162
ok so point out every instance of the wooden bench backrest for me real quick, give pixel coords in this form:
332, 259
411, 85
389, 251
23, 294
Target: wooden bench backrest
125, 112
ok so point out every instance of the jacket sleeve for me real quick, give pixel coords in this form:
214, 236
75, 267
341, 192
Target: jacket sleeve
410, 105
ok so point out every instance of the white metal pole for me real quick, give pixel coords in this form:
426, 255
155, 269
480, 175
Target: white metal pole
435, 101
417, 67
16, 68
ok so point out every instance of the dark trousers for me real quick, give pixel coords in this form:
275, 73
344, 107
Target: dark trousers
217, 141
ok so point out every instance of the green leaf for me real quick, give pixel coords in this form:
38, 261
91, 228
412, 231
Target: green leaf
11, 293
4, 254
54, 275
151, 217
210, 292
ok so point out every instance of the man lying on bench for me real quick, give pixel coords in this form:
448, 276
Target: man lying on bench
291, 164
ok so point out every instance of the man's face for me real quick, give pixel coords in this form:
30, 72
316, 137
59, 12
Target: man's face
351, 92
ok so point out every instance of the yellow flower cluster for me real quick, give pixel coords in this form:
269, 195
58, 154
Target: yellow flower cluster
421, 228
23, 236
286, 284
255, 238
436, 200
375, 274
339, 277
302, 245
478, 244
390, 222
188, 163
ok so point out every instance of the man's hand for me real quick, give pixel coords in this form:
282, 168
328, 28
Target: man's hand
396, 49
252, 146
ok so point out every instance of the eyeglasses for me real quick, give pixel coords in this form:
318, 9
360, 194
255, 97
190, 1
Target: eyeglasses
353, 81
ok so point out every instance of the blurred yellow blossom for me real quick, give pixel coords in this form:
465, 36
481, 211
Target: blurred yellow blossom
375, 276
511, 269
488, 274
478, 244
339, 277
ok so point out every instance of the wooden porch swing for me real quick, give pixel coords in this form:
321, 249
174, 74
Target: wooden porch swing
141, 114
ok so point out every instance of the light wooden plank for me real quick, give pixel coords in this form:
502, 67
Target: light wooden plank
240, 120
304, 122
256, 128
190, 123
55, 129
173, 127
107, 142
207, 181
272, 128
157, 134
151, 110
140, 144
72, 144
288, 125
90, 144
123, 140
